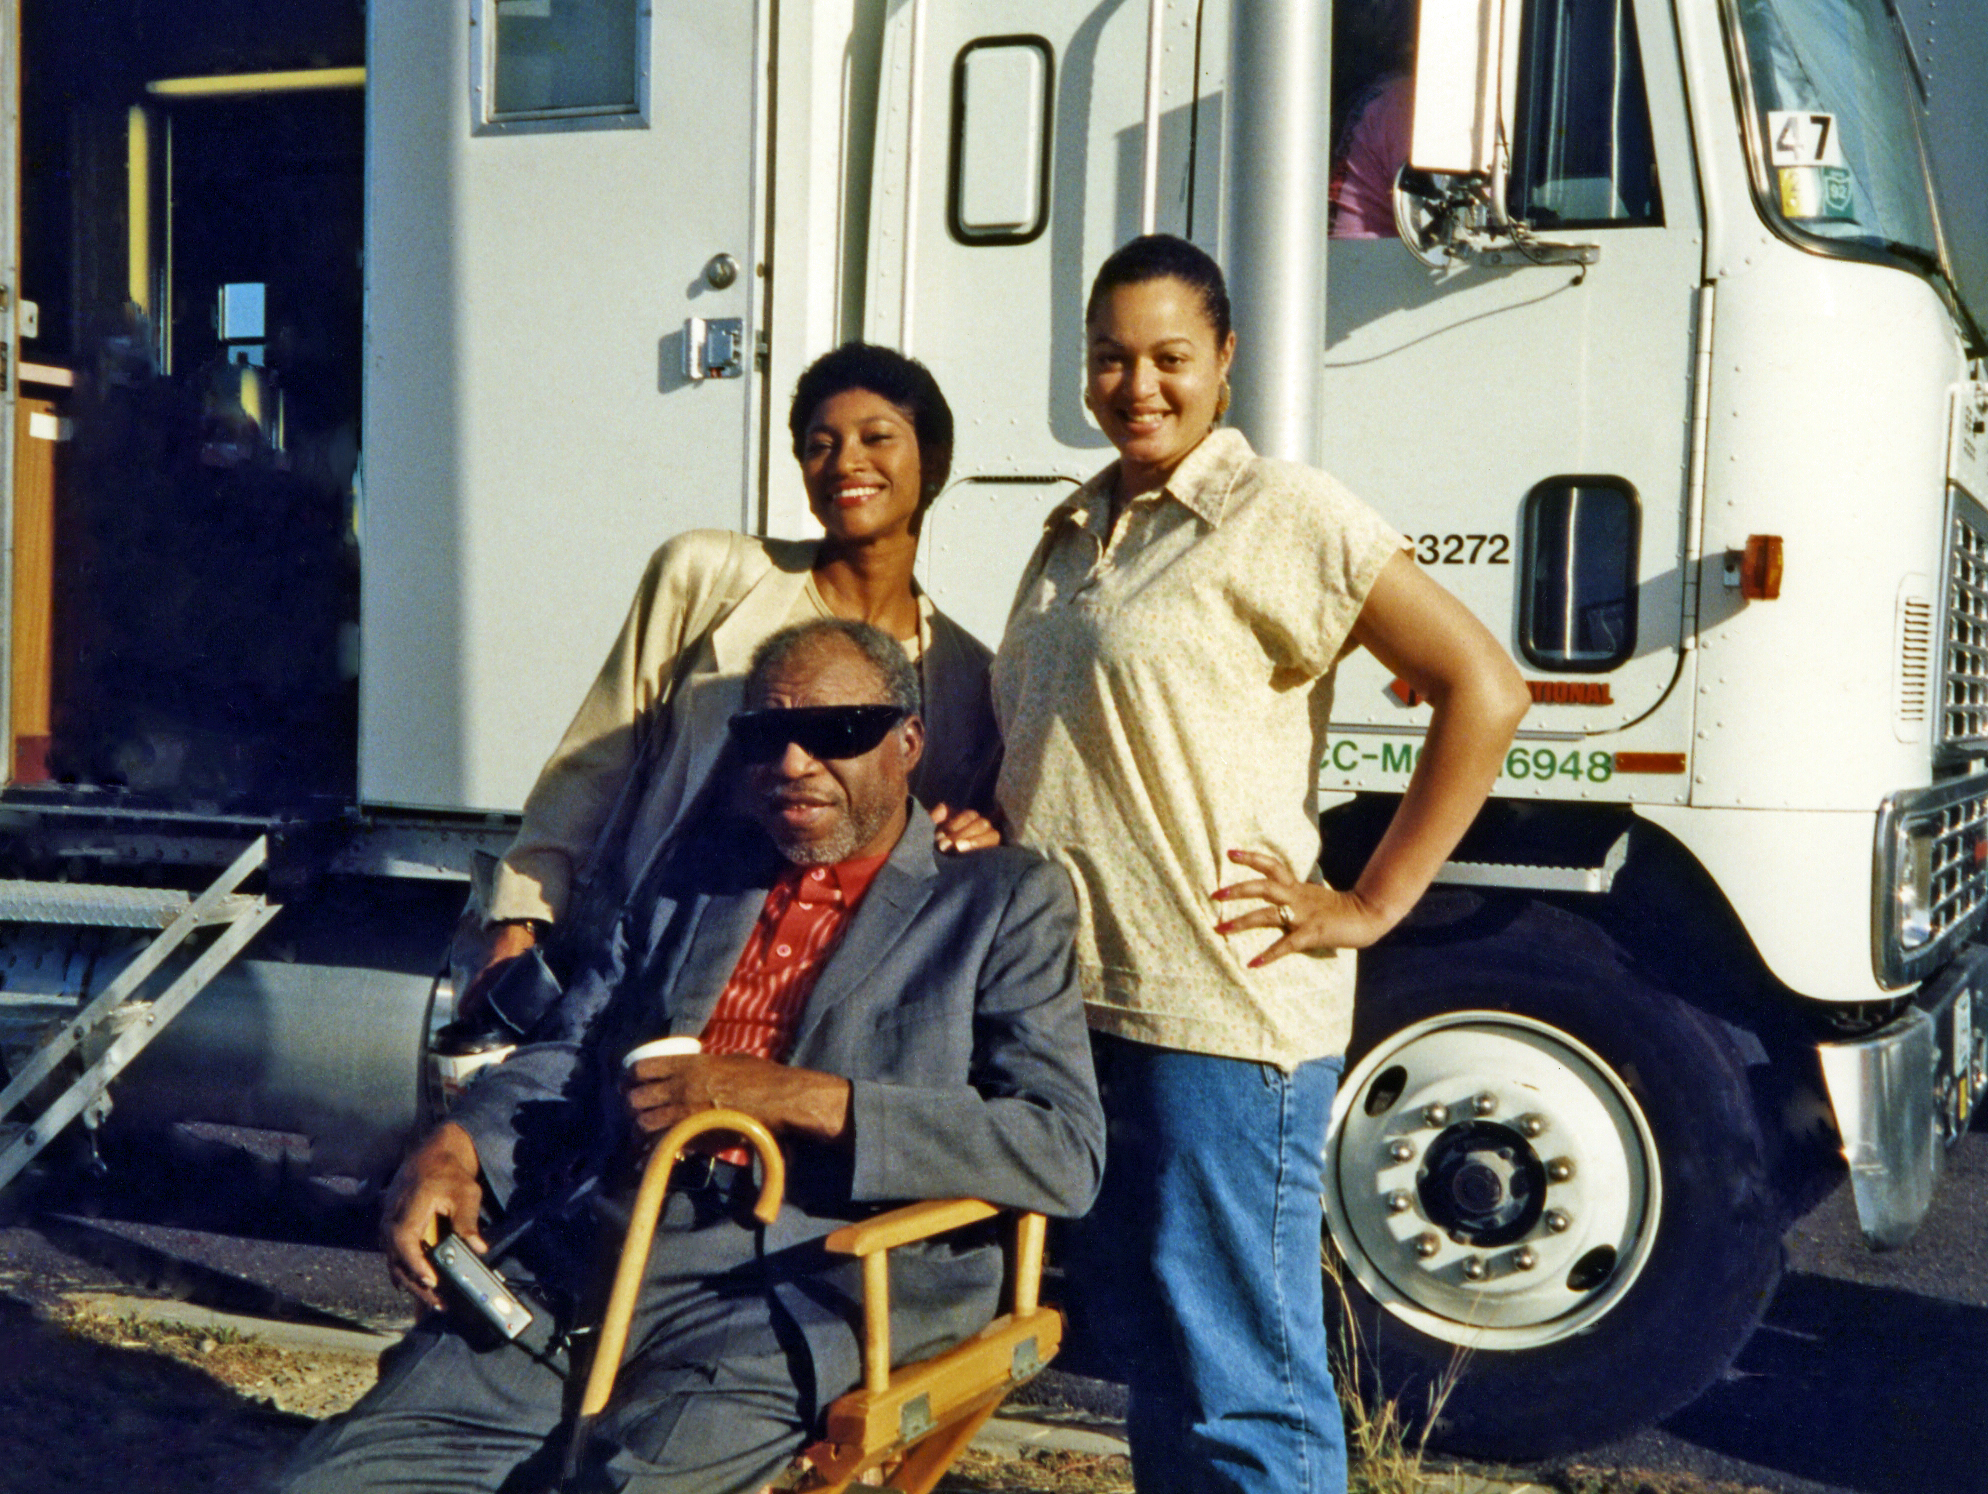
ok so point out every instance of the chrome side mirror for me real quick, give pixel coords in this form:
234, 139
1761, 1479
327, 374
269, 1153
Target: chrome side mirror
1437, 215
1456, 221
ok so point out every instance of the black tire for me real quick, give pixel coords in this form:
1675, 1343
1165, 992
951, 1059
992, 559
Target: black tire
1708, 1268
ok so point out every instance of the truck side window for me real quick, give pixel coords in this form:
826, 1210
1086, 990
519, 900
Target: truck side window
1583, 156
1577, 573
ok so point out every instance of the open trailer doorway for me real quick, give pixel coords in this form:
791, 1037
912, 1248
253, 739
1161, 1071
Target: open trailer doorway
186, 509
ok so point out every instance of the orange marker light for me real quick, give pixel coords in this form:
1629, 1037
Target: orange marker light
1760, 568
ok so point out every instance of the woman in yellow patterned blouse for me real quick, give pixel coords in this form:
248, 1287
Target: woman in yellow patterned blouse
1163, 690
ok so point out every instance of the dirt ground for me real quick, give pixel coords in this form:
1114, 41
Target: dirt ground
90, 1403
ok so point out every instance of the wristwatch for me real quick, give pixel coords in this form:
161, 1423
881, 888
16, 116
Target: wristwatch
539, 926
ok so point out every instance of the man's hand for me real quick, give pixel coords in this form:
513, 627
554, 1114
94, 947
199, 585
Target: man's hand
788, 1102
437, 1182
963, 829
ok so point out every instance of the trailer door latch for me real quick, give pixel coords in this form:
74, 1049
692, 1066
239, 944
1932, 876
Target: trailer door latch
713, 349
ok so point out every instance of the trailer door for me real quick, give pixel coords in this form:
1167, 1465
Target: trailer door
560, 203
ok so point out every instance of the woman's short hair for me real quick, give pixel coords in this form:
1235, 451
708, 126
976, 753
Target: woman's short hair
1162, 256
885, 372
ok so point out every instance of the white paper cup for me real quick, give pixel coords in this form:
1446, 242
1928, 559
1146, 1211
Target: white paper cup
663, 1047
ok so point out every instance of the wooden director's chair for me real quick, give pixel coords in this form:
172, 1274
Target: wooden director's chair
910, 1425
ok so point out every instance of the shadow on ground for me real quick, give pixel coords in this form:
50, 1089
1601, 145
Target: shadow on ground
84, 1417
1860, 1387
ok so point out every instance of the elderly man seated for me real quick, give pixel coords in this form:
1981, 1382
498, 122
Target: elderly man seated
908, 1024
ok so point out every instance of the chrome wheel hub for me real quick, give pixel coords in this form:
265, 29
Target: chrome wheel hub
1491, 1181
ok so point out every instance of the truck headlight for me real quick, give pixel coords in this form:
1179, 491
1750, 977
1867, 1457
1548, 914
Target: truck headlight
1913, 887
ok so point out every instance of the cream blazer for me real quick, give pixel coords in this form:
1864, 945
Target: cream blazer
717, 595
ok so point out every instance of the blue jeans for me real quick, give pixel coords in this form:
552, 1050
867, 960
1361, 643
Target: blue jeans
1197, 1271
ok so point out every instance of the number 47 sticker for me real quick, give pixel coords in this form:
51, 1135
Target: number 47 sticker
1797, 137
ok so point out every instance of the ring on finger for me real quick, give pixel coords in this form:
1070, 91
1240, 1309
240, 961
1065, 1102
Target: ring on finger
1285, 916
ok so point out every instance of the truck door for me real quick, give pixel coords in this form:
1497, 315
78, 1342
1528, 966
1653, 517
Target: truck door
561, 312
1527, 424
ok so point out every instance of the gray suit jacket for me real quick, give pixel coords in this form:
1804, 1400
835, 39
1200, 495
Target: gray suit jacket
951, 1005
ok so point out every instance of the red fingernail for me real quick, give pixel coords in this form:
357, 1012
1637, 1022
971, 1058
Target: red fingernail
1256, 962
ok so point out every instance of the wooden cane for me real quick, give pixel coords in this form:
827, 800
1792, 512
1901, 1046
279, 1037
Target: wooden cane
641, 1236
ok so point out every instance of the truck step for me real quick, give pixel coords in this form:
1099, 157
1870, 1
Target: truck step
104, 906
118, 1022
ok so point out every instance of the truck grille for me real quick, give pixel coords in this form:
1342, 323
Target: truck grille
1964, 664
1932, 876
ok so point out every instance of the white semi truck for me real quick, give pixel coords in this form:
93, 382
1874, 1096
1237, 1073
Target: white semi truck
358, 356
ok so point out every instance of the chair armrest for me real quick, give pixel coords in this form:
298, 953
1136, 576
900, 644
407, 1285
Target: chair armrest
870, 1241
919, 1221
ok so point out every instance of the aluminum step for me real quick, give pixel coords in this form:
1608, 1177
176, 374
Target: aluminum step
118, 1022
111, 907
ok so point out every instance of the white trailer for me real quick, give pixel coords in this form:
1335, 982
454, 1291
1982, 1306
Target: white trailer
356, 373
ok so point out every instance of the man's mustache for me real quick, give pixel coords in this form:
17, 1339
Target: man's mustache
780, 798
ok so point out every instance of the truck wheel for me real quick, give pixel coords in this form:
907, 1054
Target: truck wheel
1552, 1198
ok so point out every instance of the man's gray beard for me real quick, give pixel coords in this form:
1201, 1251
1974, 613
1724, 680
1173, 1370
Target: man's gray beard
854, 834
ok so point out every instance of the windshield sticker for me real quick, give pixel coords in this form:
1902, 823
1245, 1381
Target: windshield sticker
1802, 137
1817, 192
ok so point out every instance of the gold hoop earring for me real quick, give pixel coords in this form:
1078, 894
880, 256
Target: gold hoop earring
1222, 400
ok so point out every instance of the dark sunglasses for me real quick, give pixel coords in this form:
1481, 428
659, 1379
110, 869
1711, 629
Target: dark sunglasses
822, 732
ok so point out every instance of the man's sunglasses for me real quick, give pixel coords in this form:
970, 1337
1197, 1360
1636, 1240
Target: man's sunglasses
822, 732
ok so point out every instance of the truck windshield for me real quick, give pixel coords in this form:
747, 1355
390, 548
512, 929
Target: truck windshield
1835, 122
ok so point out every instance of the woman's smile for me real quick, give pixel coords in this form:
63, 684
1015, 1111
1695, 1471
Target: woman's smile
852, 495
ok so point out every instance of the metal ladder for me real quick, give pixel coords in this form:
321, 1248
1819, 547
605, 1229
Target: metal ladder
240, 916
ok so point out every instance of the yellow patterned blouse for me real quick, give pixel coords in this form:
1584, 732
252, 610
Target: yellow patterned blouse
1163, 690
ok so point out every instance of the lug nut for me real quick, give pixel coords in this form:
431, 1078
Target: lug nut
1436, 1115
1473, 1268
1524, 1259
1559, 1221
1398, 1201
1559, 1170
1485, 1104
1532, 1125
1402, 1150
1427, 1245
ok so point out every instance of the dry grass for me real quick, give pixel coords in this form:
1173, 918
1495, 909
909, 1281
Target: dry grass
315, 1384
1037, 1472
1385, 1453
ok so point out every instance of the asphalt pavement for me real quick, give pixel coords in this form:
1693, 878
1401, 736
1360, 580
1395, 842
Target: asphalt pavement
1867, 1375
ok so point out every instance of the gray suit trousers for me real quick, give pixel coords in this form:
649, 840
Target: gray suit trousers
716, 1393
